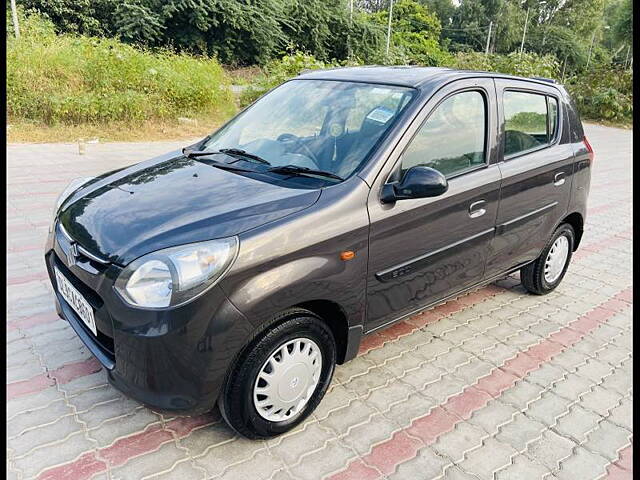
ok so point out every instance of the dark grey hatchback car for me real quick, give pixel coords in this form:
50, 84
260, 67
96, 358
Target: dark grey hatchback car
241, 269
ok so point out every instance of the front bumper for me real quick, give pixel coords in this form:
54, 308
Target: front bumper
171, 360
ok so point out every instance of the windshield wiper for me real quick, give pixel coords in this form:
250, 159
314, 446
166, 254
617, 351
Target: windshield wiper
244, 153
226, 166
297, 170
234, 152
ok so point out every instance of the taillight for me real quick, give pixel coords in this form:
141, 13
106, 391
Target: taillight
589, 148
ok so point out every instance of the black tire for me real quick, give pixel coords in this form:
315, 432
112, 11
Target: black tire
532, 275
236, 399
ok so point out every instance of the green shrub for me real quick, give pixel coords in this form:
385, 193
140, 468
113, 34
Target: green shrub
522, 64
281, 70
604, 93
73, 79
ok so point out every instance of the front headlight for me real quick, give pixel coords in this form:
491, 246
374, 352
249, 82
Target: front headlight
176, 275
74, 185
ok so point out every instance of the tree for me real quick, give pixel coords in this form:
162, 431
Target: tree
415, 34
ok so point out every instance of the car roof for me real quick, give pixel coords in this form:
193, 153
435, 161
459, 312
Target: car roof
407, 75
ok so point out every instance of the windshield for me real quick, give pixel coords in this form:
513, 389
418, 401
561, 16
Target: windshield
315, 124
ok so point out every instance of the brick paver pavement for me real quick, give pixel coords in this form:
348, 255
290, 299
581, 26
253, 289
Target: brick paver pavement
496, 384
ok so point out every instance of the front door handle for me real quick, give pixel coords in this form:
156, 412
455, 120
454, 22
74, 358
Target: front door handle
476, 210
558, 179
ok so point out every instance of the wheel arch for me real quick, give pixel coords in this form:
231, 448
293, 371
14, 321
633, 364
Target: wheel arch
576, 220
334, 316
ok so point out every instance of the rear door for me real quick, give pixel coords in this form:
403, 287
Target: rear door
536, 163
422, 250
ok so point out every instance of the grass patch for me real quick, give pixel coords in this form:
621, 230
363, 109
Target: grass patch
62, 81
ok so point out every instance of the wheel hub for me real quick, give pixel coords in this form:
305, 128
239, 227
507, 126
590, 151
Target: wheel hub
556, 259
287, 379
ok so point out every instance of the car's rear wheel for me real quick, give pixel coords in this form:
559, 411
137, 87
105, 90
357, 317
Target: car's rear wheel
545, 273
279, 378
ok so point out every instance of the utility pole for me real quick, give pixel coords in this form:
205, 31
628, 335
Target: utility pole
627, 57
564, 65
14, 18
524, 33
349, 50
492, 46
593, 37
486, 50
389, 26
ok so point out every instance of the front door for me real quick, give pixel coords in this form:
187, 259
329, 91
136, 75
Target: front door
422, 250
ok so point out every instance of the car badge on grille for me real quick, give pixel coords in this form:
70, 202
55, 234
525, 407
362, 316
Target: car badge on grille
72, 254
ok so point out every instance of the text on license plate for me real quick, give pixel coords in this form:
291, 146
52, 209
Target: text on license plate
75, 299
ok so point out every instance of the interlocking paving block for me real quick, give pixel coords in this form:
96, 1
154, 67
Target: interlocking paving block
32, 419
522, 394
577, 423
161, 460
484, 465
316, 464
583, 464
336, 397
427, 464
458, 442
623, 414
600, 400
607, 439
132, 422
57, 452
546, 375
340, 420
520, 431
550, 449
258, 467
572, 386
363, 436
185, 470
522, 467
382, 399
548, 408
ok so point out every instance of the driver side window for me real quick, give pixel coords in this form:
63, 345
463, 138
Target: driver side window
453, 137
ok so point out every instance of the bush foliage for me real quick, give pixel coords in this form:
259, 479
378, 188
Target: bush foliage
77, 79
604, 94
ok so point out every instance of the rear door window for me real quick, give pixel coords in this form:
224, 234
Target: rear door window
530, 121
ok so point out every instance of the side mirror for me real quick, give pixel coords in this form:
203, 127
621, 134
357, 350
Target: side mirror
418, 182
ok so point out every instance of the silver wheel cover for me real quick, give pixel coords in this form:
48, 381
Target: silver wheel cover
556, 259
287, 379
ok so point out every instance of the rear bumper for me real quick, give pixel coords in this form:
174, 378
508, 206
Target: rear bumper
170, 360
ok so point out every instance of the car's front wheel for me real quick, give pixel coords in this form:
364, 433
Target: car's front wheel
279, 378
546, 272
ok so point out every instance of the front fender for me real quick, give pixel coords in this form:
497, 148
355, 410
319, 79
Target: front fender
317, 278
297, 259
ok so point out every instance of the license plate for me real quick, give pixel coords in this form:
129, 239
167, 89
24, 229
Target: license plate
77, 301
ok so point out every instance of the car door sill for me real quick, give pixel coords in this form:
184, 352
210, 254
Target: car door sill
444, 299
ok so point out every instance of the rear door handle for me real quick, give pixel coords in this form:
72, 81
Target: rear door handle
558, 179
476, 210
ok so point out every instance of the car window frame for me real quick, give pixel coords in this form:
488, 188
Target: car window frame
397, 168
502, 120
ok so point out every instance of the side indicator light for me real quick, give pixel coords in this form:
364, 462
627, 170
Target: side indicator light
347, 255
